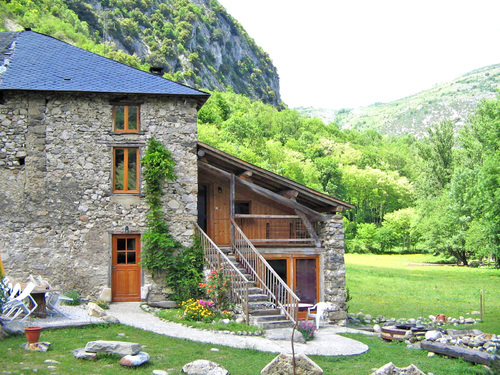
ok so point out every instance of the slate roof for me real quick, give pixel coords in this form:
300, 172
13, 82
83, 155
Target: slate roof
33, 61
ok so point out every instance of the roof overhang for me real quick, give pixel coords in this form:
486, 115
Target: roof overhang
263, 179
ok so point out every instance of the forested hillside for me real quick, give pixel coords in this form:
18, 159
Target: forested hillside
440, 193
196, 42
455, 101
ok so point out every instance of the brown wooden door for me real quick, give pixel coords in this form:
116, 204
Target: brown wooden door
126, 274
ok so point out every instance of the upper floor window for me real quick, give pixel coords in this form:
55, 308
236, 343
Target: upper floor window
126, 170
126, 118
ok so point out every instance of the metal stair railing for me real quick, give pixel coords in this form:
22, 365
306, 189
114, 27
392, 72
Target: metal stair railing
271, 283
217, 260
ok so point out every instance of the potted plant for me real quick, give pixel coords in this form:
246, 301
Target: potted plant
33, 334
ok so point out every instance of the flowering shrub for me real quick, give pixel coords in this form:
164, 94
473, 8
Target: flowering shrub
217, 289
198, 310
307, 328
226, 314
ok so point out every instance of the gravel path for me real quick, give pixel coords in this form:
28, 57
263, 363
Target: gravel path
326, 342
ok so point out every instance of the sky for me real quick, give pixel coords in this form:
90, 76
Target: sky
351, 53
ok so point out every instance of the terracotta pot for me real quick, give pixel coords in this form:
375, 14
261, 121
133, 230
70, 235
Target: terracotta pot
33, 334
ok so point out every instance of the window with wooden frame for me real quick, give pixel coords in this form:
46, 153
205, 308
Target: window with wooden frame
126, 170
126, 118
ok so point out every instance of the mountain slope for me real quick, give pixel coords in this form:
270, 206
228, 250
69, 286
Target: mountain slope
196, 42
455, 100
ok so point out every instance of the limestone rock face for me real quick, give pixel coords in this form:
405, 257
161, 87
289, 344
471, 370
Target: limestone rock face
113, 347
134, 360
204, 367
283, 365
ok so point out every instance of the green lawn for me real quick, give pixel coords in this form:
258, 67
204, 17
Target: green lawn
171, 354
388, 285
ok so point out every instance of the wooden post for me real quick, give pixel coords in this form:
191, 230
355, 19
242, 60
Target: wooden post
231, 205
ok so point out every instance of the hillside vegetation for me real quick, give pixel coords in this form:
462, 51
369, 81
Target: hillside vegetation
455, 101
196, 42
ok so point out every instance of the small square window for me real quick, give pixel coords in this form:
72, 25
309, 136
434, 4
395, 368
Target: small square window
126, 118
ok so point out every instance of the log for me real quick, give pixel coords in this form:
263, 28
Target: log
469, 355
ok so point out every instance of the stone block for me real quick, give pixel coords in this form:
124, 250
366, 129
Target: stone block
82, 354
283, 365
113, 347
95, 311
105, 293
204, 367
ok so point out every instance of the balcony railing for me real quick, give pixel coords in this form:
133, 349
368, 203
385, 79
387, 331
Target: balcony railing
275, 229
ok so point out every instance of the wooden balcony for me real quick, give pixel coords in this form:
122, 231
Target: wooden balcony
277, 230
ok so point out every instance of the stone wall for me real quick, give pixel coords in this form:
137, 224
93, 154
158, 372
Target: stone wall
57, 209
332, 239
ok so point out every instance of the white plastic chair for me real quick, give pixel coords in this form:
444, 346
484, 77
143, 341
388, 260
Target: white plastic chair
320, 308
21, 303
52, 301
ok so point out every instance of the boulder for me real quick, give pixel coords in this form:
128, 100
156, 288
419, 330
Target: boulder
111, 319
95, 310
204, 367
433, 335
113, 347
134, 360
390, 369
283, 365
82, 354
106, 295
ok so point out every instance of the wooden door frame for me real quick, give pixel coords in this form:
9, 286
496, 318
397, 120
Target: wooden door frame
114, 239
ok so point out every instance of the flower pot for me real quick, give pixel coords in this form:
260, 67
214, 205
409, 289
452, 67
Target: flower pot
33, 334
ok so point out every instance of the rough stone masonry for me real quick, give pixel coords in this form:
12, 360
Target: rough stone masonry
57, 209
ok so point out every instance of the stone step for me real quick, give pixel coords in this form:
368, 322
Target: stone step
276, 324
257, 298
260, 305
269, 318
265, 312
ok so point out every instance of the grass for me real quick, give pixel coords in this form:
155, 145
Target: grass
387, 285
171, 354
379, 284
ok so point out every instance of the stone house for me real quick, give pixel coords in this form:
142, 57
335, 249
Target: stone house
73, 128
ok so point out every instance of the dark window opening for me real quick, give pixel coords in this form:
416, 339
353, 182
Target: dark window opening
21, 160
242, 208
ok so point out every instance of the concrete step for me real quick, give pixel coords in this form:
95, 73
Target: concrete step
275, 324
265, 312
257, 298
269, 318
260, 305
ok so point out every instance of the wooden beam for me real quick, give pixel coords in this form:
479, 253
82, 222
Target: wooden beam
255, 216
246, 175
469, 355
312, 215
232, 195
310, 228
290, 194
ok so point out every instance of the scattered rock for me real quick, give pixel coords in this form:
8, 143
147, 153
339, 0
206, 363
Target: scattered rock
283, 365
113, 347
37, 346
134, 360
431, 354
377, 328
240, 320
51, 362
82, 354
285, 334
106, 295
204, 367
96, 311
214, 350
111, 319
390, 369
159, 372
433, 335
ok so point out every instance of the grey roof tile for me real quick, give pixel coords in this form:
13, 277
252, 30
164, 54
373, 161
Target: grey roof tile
43, 63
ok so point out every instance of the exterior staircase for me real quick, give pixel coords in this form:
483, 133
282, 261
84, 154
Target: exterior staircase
262, 312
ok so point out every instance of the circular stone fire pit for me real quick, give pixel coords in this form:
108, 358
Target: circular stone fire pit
398, 332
